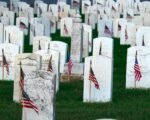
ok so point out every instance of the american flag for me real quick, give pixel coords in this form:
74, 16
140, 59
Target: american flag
92, 77
70, 65
104, 11
65, 28
101, 17
50, 68
26, 102
137, 71
21, 82
52, 23
23, 25
5, 63
113, 9
39, 45
126, 34
129, 16
119, 27
143, 43
107, 31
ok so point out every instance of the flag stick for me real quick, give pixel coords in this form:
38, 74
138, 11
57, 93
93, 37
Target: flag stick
90, 92
3, 72
135, 83
68, 76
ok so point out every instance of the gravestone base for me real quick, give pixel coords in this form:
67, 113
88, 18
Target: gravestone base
73, 77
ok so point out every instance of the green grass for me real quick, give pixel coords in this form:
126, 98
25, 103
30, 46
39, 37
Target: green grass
126, 104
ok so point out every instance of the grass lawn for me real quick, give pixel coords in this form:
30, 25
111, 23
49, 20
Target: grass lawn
126, 104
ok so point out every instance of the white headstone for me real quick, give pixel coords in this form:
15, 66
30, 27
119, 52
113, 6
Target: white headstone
40, 88
103, 46
128, 34
41, 43
66, 27
141, 57
29, 63
51, 57
99, 70
76, 42
7, 64
61, 47
14, 35
23, 24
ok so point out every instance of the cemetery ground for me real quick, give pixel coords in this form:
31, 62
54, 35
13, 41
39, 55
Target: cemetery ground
126, 104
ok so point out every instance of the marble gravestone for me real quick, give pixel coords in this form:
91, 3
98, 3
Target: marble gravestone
14, 35
29, 63
75, 4
52, 21
36, 4
142, 36
76, 42
122, 5
114, 7
146, 19
50, 62
66, 27
100, 3
3, 4
63, 9
103, 46
36, 28
128, 34
141, 56
53, 9
22, 9
138, 8
98, 77
10, 16
1, 32
41, 43
77, 72
42, 7
90, 19
138, 21
129, 14
26, 11
62, 48
40, 88
117, 25
87, 40
7, 60
47, 26
13, 5
22, 23
105, 28
85, 5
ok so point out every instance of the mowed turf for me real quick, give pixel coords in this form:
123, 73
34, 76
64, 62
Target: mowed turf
125, 105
